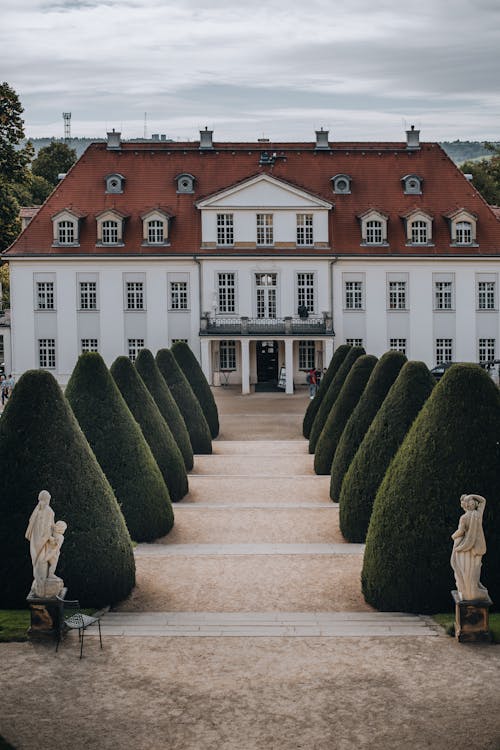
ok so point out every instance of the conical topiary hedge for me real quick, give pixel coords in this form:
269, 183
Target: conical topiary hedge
197, 425
121, 449
312, 409
342, 409
148, 370
43, 448
451, 449
331, 394
408, 394
383, 376
153, 426
198, 382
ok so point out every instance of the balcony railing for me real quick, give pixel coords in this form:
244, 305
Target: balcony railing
310, 326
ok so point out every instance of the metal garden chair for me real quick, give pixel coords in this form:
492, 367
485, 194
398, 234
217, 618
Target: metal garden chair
76, 621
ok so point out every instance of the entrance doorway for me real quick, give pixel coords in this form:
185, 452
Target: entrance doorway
267, 362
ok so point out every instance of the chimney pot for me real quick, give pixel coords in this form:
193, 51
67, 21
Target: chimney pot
322, 140
114, 141
412, 139
206, 139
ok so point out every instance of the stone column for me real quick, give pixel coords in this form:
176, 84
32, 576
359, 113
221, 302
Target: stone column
206, 364
245, 366
327, 351
289, 365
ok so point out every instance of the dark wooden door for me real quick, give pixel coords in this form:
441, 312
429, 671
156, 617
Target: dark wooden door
267, 361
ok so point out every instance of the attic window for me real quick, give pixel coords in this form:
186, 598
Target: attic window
110, 225
412, 184
418, 228
114, 183
155, 227
463, 227
66, 229
185, 183
341, 184
373, 228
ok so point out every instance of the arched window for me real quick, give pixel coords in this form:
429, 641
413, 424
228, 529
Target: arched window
463, 234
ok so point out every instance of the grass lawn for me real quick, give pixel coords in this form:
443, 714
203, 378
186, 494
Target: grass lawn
14, 624
448, 622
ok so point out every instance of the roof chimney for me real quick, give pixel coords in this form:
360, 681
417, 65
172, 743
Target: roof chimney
206, 139
114, 141
322, 140
412, 139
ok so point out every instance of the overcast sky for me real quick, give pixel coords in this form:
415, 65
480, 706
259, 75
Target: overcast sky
364, 70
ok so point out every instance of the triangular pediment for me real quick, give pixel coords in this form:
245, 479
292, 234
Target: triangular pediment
263, 191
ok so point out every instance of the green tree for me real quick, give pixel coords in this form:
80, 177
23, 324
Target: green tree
312, 409
120, 447
5, 286
486, 177
10, 223
158, 388
383, 376
342, 409
153, 426
406, 397
52, 160
42, 447
332, 393
199, 431
198, 382
451, 449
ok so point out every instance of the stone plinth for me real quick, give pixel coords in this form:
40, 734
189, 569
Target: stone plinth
46, 615
472, 619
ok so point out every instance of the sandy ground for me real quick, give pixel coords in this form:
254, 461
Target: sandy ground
303, 693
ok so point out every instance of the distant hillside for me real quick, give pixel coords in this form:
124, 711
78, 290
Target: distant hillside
459, 151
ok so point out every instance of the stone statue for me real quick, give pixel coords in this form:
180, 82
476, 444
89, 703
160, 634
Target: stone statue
45, 538
469, 546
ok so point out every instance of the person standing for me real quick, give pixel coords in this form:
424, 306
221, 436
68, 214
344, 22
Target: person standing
312, 382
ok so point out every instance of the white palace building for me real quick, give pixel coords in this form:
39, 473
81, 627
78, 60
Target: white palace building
260, 255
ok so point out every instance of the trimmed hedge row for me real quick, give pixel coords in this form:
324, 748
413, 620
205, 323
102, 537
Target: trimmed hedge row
312, 409
331, 395
198, 382
342, 409
383, 376
197, 425
153, 426
408, 394
120, 448
451, 449
43, 447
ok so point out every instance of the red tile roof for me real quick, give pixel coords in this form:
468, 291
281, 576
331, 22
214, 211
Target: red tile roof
150, 169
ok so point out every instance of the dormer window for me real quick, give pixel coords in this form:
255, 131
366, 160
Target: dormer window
185, 183
341, 184
463, 225
66, 226
155, 225
114, 183
412, 184
110, 225
418, 228
373, 228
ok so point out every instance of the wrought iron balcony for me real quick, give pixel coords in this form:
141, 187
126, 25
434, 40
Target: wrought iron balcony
310, 326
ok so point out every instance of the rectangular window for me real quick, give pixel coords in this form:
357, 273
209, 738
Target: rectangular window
354, 342
305, 291
45, 295
486, 295
443, 295
398, 345
66, 232
134, 347
486, 350
135, 295
156, 233
109, 232
225, 229
88, 295
184, 341
178, 295
354, 295
419, 232
265, 233
397, 295
47, 353
374, 233
444, 351
227, 355
305, 229
226, 292
307, 355
89, 345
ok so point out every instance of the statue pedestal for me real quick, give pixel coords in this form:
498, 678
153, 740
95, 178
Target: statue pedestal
472, 619
46, 615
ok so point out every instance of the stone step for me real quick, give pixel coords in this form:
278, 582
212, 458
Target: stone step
254, 548
202, 522
254, 466
250, 490
264, 426
260, 447
266, 624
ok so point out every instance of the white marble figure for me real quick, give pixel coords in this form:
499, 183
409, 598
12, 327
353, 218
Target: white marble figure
45, 538
469, 546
